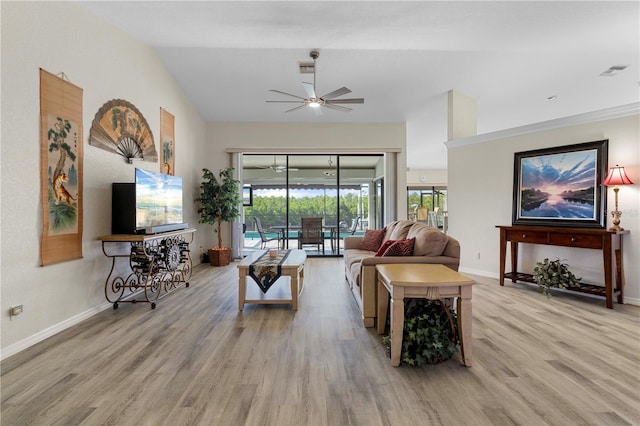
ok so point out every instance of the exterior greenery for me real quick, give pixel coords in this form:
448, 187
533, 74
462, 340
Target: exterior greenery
219, 199
272, 210
550, 274
424, 198
427, 336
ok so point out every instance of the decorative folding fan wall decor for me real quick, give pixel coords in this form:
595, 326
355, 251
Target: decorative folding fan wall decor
120, 128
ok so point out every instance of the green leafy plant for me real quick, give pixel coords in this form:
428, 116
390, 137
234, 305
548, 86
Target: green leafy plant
219, 199
550, 274
430, 333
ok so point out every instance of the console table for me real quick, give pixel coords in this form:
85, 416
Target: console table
157, 265
609, 242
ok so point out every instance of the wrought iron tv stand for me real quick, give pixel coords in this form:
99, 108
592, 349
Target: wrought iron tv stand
157, 265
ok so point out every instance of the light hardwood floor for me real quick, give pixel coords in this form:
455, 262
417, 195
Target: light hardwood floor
195, 360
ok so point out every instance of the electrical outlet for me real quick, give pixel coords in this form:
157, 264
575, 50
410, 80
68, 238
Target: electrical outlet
14, 311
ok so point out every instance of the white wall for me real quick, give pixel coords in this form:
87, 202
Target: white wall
107, 64
481, 188
312, 137
427, 178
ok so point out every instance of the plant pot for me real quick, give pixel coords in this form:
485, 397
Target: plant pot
219, 256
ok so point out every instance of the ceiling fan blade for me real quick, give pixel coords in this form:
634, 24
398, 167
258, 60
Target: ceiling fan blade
285, 93
293, 109
338, 107
285, 102
345, 101
308, 87
339, 92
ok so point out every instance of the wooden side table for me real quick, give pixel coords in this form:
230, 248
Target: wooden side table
607, 241
422, 281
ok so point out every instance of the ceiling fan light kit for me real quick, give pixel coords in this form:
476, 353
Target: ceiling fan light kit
313, 100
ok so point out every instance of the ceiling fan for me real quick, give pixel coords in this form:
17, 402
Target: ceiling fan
278, 168
332, 171
314, 101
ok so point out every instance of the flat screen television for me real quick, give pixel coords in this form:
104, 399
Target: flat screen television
152, 204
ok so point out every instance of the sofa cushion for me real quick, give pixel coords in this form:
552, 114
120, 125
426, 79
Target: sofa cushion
383, 247
355, 256
400, 248
372, 239
398, 230
429, 241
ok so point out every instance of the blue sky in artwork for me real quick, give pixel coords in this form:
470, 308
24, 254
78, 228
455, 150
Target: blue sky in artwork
559, 172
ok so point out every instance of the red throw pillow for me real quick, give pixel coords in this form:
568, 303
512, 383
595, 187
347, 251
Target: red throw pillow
384, 247
372, 239
401, 248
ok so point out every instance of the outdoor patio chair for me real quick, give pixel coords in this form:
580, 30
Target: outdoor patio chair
311, 232
354, 225
263, 234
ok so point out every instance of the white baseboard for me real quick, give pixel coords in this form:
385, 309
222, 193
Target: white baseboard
627, 300
478, 272
54, 329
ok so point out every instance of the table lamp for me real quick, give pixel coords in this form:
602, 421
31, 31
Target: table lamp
615, 177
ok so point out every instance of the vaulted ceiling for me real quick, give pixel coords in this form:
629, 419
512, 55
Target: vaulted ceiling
402, 57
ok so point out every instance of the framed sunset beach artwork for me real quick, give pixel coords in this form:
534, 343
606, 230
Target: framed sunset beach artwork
560, 186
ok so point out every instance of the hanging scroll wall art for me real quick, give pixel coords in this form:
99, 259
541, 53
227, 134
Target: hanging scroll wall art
167, 141
60, 169
120, 128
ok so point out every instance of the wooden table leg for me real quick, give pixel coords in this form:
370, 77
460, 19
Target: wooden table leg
383, 304
294, 290
301, 280
619, 275
503, 254
397, 323
464, 325
242, 288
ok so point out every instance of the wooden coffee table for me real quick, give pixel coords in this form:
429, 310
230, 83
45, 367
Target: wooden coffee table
422, 281
293, 267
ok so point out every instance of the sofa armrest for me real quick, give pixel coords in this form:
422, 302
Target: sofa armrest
352, 242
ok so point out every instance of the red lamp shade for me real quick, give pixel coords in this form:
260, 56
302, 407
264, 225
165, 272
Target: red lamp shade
616, 176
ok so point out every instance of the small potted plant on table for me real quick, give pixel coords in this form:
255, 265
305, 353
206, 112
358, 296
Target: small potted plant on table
219, 202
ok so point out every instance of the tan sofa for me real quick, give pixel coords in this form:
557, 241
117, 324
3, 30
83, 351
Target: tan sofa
431, 246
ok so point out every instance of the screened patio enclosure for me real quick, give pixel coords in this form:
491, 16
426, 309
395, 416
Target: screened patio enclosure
281, 189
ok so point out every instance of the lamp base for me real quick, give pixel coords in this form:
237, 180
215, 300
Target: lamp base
616, 220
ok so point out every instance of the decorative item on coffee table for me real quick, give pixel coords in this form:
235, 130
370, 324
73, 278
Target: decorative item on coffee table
550, 274
219, 200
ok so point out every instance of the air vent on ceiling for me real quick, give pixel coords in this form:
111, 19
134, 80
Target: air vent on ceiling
306, 67
613, 70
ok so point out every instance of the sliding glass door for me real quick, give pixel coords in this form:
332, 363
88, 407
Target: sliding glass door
285, 188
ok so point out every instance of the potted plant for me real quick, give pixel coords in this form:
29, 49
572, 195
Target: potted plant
219, 200
550, 274
430, 334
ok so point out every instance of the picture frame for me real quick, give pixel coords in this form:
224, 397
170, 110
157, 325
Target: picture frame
247, 195
560, 186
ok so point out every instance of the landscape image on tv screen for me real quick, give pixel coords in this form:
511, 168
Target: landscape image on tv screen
158, 199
